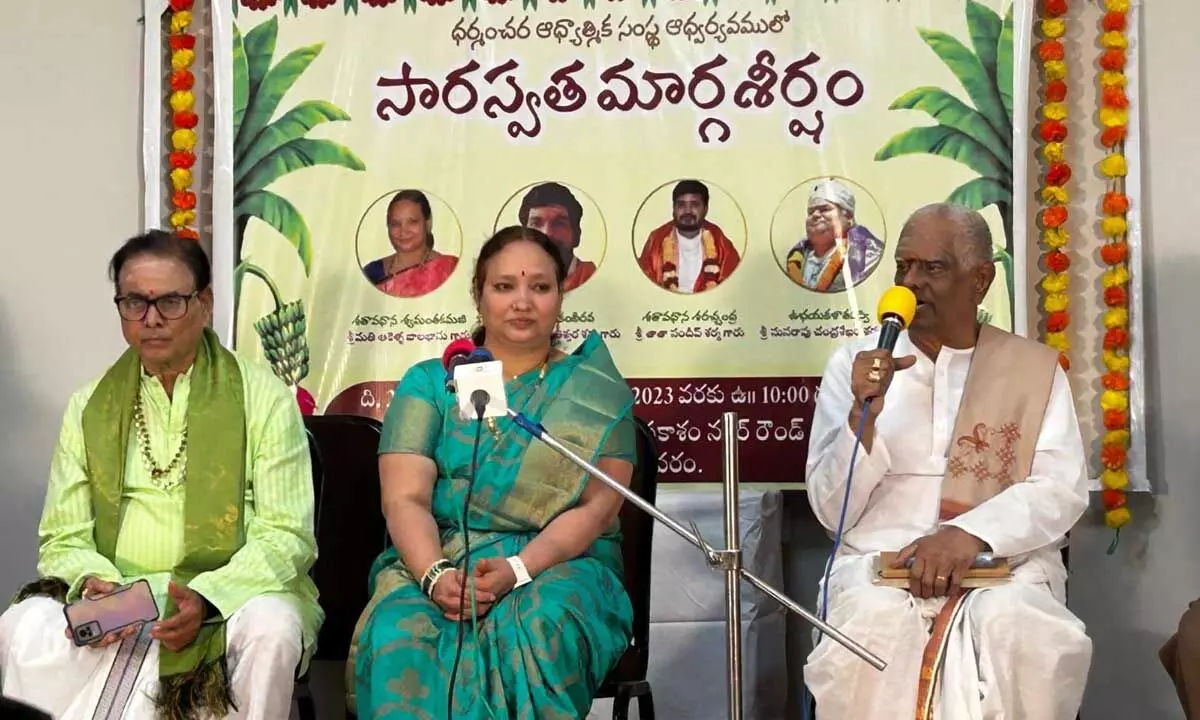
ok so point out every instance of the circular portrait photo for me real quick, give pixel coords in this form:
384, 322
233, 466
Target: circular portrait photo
408, 243
689, 236
569, 217
828, 234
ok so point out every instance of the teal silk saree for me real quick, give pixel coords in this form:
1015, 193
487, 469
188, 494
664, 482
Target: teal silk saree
544, 649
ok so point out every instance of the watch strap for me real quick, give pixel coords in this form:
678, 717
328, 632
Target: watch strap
520, 571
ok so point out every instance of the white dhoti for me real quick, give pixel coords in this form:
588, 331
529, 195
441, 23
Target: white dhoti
1015, 653
40, 666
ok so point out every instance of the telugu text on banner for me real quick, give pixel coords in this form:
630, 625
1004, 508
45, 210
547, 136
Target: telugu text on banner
727, 183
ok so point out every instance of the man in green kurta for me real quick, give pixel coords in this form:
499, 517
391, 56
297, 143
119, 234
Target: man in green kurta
186, 466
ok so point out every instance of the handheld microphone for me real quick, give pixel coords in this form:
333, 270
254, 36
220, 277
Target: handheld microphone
895, 311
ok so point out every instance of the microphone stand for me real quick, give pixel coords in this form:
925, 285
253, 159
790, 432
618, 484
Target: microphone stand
729, 560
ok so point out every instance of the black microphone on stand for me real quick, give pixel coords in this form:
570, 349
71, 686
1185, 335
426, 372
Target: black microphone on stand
475, 381
461, 352
480, 397
464, 352
454, 355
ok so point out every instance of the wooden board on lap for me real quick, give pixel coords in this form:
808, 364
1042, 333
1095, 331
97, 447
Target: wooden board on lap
889, 576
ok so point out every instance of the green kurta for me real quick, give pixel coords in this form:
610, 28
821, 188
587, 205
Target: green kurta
280, 545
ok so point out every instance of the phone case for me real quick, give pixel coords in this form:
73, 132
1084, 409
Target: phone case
92, 618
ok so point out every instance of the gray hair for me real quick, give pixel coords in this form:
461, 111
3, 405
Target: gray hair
974, 237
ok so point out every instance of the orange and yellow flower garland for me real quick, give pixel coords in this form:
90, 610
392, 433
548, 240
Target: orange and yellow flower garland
183, 120
1114, 399
1053, 130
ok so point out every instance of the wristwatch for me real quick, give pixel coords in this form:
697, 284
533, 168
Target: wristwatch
520, 571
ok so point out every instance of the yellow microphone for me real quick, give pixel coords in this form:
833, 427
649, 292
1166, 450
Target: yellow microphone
895, 311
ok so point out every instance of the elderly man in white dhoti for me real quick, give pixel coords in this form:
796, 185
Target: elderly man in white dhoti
188, 467
970, 443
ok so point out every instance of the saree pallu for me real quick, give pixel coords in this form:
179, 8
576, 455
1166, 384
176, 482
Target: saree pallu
543, 650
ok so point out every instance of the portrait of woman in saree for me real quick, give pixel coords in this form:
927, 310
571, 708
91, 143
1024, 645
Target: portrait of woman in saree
414, 268
540, 604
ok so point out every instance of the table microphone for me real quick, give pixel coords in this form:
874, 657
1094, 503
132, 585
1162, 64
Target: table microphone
462, 352
456, 354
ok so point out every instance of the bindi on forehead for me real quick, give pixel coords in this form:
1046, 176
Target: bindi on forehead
527, 274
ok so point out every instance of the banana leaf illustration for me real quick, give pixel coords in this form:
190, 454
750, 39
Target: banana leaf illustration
265, 151
977, 135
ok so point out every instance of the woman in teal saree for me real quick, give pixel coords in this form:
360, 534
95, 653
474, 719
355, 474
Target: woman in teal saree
545, 616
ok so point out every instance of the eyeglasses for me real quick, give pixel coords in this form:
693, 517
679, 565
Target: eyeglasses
171, 306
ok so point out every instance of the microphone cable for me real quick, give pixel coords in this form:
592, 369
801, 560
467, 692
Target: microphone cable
837, 543
462, 593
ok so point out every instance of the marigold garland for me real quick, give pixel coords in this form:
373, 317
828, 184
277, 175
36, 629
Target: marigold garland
183, 119
1114, 253
1054, 196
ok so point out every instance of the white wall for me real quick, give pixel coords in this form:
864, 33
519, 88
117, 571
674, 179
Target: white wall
1132, 601
69, 195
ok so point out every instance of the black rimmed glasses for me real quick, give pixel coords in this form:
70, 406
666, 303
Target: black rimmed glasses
171, 306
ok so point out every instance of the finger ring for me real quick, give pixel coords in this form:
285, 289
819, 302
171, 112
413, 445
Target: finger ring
876, 364
874, 376
941, 578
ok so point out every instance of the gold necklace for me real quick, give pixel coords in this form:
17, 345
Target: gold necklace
491, 422
157, 475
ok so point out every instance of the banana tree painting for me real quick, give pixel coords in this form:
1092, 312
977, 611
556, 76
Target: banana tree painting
978, 135
265, 151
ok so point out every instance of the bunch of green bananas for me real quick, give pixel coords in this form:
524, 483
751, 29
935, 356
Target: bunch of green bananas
283, 339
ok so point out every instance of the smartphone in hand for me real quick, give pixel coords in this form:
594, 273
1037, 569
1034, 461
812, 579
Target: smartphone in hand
90, 619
